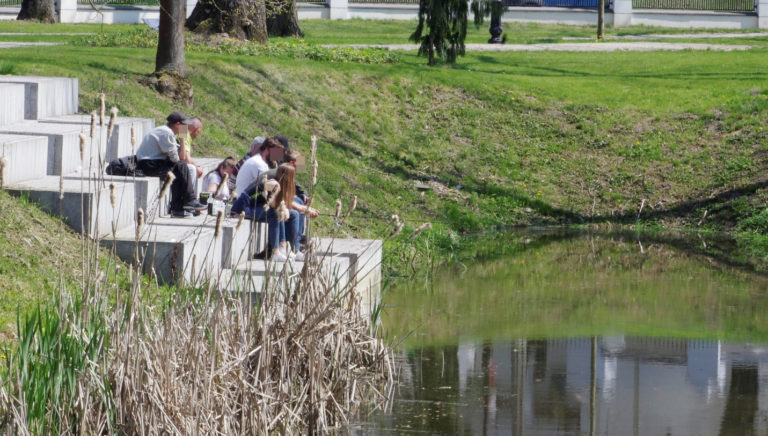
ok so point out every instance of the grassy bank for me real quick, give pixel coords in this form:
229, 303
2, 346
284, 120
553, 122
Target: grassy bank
500, 139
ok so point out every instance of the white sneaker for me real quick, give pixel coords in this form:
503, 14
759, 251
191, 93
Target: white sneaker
279, 257
298, 256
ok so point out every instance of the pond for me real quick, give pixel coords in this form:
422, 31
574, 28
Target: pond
582, 333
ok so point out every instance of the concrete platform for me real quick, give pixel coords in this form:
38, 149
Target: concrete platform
172, 249
11, 103
63, 154
145, 189
86, 207
251, 276
26, 156
119, 143
46, 97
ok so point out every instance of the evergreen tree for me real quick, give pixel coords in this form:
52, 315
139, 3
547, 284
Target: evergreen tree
441, 30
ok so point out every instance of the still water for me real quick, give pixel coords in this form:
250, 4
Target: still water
565, 333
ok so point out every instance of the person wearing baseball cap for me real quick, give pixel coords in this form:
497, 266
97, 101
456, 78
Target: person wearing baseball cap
159, 153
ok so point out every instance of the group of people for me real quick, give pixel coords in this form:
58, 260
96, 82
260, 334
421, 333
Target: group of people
278, 201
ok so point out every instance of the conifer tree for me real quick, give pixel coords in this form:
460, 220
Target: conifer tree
441, 30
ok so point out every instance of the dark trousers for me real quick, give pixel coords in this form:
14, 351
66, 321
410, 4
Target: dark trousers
181, 190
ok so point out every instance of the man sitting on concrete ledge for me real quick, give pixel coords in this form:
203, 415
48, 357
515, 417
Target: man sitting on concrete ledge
158, 154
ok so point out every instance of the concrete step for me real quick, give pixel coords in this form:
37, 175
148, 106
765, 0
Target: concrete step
172, 249
119, 143
187, 248
63, 155
251, 276
26, 156
11, 103
46, 97
86, 206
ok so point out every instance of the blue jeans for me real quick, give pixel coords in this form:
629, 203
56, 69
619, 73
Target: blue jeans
300, 237
244, 203
280, 231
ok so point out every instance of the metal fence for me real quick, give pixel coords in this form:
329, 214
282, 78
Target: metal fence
10, 2
697, 5
555, 3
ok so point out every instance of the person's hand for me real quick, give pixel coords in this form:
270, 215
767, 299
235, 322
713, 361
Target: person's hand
199, 171
313, 213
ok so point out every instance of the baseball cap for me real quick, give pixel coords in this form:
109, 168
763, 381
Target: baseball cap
178, 117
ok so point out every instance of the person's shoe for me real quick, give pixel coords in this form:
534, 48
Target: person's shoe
298, 256
279, 257
180, 213
194, 205
262, 255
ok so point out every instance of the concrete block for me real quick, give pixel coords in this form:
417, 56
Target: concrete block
11, 103
46, 96
119, 144
251, 276
365, 266
171, 248
86, 206
63, 156
145, 189
26, 156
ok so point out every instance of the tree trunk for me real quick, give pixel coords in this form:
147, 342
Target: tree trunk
41, 10
284, 21
241, 19
170, 43
600, 19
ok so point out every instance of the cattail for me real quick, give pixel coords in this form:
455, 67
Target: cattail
112, 194
133, 139
61, 186
112, 116
240, 219
352, 206
3, 167
398, 228
168, 180
139, 222
93, 124
314, 173
219, 217
82, 146
313, 149
223, 183
102, 107
269, 194
421, 228
282, 212
338, 208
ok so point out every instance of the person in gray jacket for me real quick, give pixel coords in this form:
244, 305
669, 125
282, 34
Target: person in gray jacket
159, 153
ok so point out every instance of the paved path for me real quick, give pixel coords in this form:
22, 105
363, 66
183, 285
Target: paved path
26, 44
576, 46
672, 36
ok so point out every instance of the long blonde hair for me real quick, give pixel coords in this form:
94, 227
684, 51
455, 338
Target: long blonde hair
286, 178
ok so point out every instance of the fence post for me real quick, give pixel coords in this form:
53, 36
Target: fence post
622, 13
339, 9
762, 13
67, 10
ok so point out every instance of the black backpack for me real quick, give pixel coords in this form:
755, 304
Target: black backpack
124, 166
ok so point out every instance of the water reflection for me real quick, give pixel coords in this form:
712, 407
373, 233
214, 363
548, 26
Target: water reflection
586, 334
602, 385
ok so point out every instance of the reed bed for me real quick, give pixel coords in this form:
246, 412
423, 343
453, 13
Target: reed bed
108, 358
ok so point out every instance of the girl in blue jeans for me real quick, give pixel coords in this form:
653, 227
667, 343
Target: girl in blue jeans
282, 220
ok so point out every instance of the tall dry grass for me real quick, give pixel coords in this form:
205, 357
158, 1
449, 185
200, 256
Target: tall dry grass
108, 358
